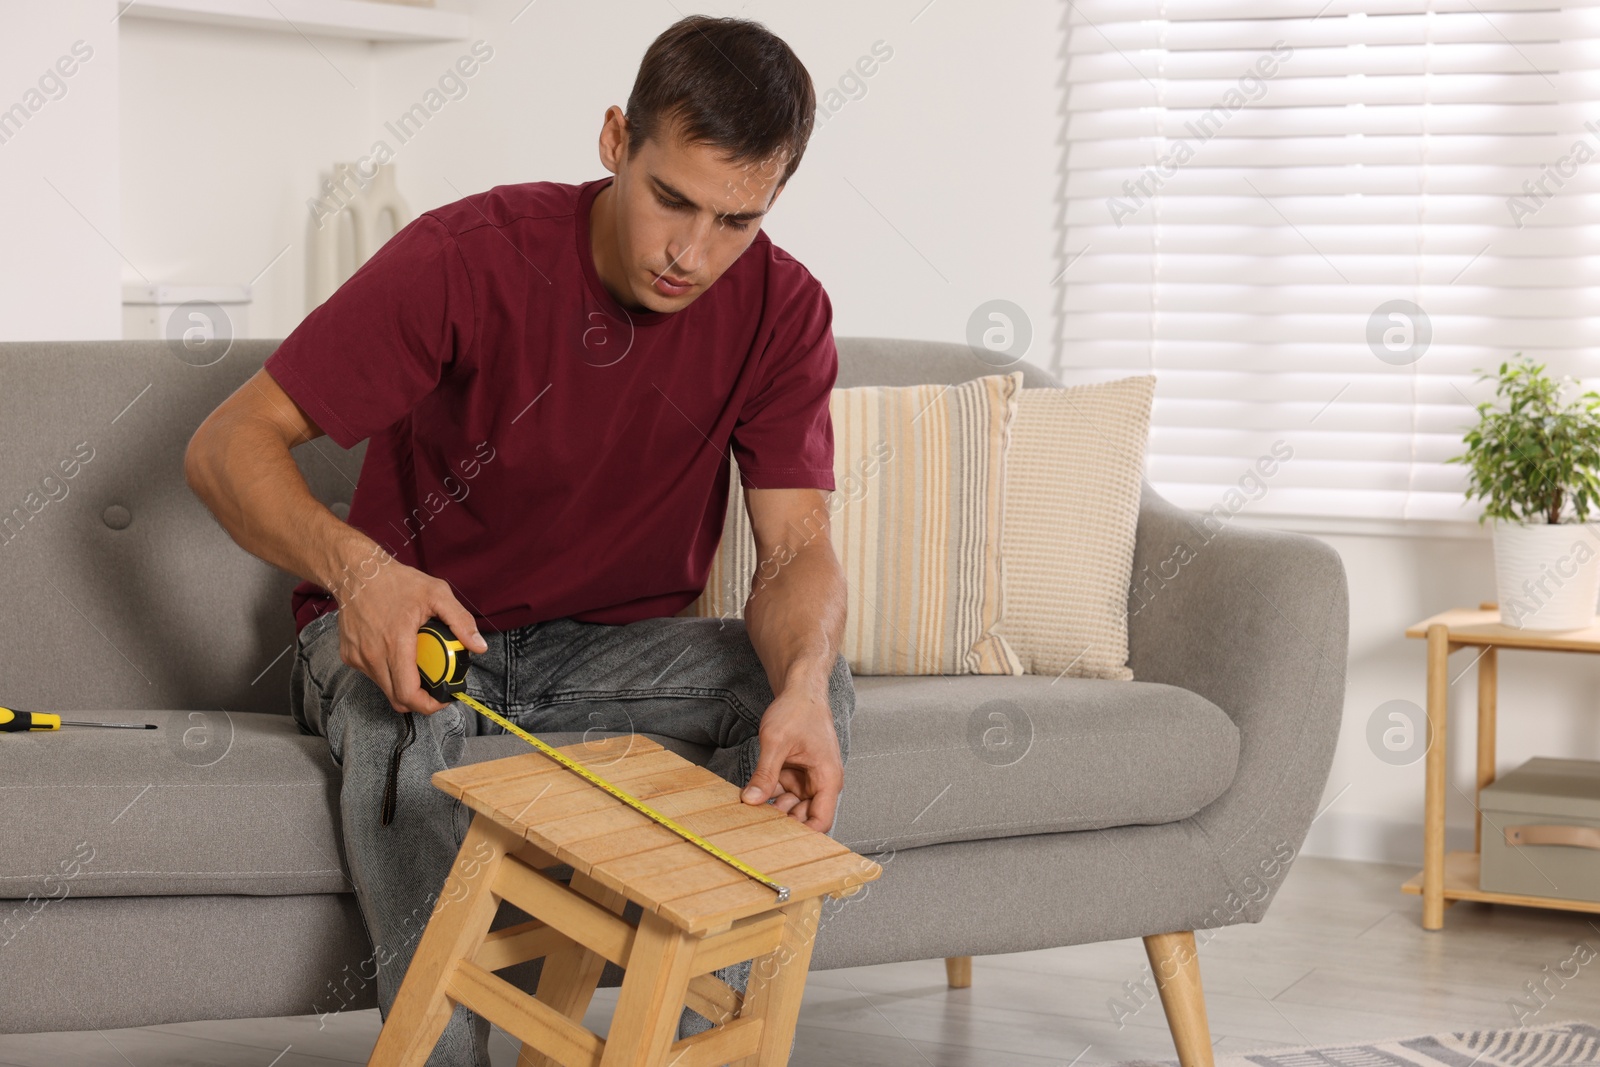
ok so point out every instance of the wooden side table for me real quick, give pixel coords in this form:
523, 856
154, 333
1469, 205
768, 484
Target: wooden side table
698, 914
1445, 879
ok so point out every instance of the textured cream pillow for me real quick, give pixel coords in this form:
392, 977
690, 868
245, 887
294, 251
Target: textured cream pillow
916, 523
1073, 478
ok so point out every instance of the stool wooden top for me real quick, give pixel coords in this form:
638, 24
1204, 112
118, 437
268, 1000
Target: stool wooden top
578, 824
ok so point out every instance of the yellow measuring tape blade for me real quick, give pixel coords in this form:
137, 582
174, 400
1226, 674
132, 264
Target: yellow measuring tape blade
633, 802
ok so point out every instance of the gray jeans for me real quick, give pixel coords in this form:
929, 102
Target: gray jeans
695, 679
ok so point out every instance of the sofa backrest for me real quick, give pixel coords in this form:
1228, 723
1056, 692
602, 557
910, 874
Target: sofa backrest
896, 361
121, 592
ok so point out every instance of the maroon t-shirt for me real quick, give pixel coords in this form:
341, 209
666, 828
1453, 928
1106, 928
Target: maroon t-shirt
540, 448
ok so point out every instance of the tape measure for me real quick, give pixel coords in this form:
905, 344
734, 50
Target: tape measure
442, 661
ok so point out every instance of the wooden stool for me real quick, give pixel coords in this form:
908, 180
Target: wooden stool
699, 914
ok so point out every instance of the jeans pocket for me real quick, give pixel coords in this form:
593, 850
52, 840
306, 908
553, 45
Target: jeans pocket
391, 790
314, 629
455, 723
309, 673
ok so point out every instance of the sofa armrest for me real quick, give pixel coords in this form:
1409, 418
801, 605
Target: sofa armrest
1257, 622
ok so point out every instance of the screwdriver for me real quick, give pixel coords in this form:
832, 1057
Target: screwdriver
14, 721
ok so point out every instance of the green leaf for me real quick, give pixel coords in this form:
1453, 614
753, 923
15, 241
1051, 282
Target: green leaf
1534, 456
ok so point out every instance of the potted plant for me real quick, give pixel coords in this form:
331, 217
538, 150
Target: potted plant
1534, 461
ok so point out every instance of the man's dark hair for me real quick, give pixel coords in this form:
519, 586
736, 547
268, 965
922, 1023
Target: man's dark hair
728, 83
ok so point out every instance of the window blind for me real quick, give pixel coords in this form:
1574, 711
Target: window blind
1315, 223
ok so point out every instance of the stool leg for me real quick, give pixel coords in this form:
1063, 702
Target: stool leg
461, 916
654, 987
778, 982
568, 979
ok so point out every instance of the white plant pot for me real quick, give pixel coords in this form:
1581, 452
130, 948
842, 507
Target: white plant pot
1548, 576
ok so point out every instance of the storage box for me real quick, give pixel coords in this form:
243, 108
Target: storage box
1541, 830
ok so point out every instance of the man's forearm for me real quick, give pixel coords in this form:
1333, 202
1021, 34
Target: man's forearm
244, 474
796, 618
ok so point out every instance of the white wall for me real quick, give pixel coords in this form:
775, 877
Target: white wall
951, 150
1547, 700
934, 191
60, 230
953, 142
224, 133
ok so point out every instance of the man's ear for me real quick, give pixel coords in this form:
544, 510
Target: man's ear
613, 139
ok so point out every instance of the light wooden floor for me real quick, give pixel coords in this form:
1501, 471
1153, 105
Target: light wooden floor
1340, 957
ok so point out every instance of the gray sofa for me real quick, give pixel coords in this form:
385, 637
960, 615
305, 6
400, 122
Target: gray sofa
196, 872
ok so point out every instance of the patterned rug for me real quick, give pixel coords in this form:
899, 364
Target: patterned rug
1555, 1045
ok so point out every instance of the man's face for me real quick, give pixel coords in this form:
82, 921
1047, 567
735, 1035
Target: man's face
678, 214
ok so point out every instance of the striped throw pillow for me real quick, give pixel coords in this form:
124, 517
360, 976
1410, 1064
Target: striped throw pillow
915, 520
1073, 479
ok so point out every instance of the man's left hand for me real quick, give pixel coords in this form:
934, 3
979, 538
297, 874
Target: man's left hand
799, 763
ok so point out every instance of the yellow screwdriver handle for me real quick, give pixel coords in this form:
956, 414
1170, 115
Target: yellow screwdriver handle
13, 721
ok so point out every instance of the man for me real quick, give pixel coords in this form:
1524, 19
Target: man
551, 379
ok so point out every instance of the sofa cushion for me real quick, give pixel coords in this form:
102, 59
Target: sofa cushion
968, 758
1073, 479
916, 524
209, 803
245, 803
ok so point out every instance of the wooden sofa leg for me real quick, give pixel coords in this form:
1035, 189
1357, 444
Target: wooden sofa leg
958, 971
1177, 971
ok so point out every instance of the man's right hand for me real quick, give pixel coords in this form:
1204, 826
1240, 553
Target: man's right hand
239, 464
378, 623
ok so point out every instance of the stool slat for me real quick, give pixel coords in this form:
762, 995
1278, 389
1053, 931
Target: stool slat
511, 796
832, 877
